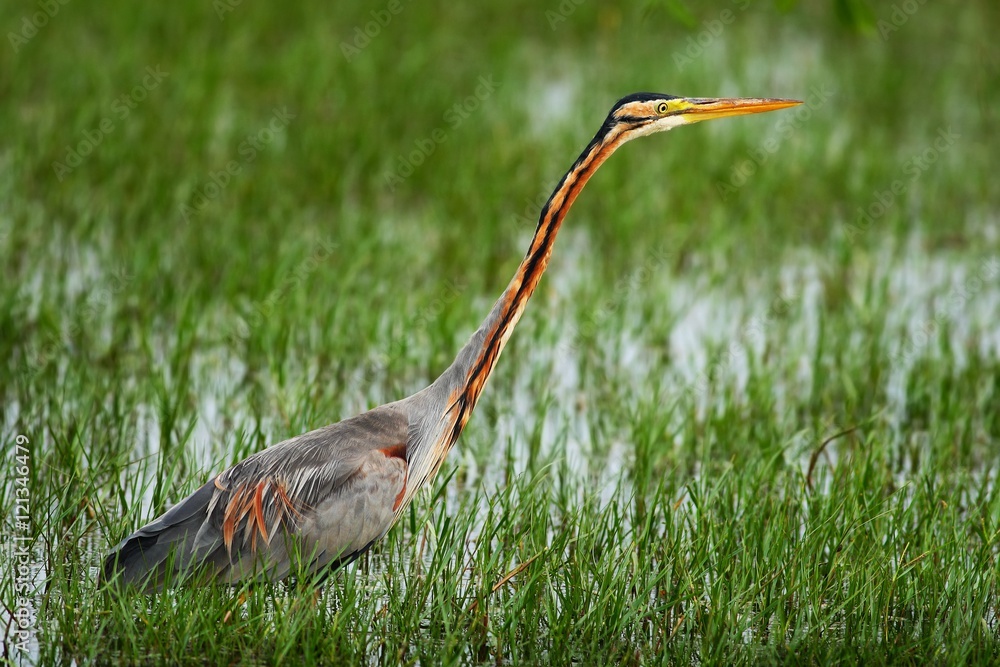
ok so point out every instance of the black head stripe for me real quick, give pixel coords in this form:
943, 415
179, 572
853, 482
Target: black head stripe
641, 97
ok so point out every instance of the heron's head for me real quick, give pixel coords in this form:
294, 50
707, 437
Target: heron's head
644, 113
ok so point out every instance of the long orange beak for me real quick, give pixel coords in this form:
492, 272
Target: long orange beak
706, 108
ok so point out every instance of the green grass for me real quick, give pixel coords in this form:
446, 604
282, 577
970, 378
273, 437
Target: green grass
652, 475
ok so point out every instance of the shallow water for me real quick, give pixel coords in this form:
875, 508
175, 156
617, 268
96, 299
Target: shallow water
719, 331
937, 304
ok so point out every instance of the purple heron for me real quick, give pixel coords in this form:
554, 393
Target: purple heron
317, 501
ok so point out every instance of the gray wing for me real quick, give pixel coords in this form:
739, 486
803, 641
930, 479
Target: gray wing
303, 505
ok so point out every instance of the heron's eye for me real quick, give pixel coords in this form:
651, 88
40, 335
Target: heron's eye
661, 108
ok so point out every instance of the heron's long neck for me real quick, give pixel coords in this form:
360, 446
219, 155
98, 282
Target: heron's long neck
465, 379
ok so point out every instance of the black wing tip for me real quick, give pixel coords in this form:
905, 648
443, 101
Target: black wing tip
141, 559
127, 564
